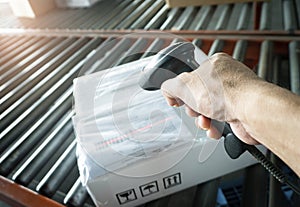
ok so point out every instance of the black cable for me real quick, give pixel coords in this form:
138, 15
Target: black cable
235, 147
271, 168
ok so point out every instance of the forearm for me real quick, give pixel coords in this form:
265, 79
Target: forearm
257, 111
272, 116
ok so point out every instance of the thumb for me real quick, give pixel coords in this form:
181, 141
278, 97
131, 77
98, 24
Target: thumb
178, 91
170, 89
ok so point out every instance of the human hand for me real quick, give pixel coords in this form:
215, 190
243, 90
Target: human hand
214, 91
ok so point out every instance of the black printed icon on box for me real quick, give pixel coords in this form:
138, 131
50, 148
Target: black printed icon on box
172, 180
126, 196
149, 188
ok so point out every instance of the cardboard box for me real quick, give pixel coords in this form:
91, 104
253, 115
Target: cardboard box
185, 3
109, 189
31, 8
75, 3
133, 148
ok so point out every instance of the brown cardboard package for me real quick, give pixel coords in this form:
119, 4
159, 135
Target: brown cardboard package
31, 8
184, 3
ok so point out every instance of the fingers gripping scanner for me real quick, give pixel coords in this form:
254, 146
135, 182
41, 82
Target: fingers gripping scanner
179, 58
172, 61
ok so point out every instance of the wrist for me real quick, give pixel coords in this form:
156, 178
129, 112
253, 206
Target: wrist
241, 100
262, 105
254, 101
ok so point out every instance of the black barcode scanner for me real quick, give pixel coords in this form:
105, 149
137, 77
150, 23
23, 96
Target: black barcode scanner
179, 58
170, 62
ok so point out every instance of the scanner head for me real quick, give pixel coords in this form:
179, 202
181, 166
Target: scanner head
167, 64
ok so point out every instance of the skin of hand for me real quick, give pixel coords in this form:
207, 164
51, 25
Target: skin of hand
224, 89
